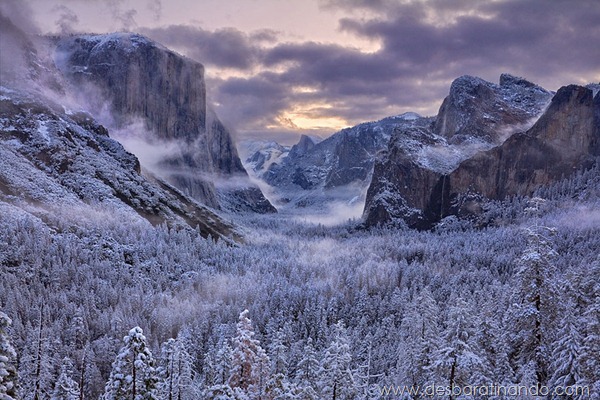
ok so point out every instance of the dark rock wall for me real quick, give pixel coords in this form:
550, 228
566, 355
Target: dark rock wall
564, 139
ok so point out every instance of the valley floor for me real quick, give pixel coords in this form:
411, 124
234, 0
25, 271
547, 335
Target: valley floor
333, 312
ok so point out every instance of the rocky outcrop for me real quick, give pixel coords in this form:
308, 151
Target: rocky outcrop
142, 80
304, 145
562, 141
410, 187
481, 110
401, 179
58, 163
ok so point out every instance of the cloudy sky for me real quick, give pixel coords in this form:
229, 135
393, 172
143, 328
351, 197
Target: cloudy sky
282, 67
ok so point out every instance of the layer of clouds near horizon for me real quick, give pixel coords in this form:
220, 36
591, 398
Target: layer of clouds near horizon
260, 81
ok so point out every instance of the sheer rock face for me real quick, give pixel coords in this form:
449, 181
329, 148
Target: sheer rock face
406, 186
563, 140
401, 183
142, 80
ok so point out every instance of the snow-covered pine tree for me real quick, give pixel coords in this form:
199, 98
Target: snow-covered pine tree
336, 378
36, 364
457, 362
250, 364
222, 366
220, 392
133, 376
217, 369
489, 338
66, 388
566, 356
90, 378
261, 375
8, 358
590, 322
174, 371
533, 311
279, 387
364, 374
279, 353
420, 340
307, 374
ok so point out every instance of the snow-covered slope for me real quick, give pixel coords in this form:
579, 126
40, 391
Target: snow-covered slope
64, 168
261, 155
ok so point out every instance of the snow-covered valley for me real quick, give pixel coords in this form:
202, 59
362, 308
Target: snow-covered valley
145, 254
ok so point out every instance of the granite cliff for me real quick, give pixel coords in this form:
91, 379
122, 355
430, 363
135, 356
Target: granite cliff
143, 81
523, 141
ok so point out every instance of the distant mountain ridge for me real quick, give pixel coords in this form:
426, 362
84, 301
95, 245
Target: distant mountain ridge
313, 174
488, 141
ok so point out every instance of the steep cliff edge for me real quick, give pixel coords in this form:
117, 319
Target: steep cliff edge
141, 80
441, 174
562, 141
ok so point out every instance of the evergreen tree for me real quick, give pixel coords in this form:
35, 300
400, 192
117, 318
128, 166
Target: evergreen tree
133, 376
220, 392
174, 371
244, 353
279, 352
261, 375
250, 364
365, 376
36, 364
457, 363
66, 388
222, 366
419, 341
590, 322
533, 310
336, 378
489, 339
279, 386
307, 374
566, 356
8, 371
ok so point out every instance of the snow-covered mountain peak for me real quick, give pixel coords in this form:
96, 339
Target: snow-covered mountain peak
409, 116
